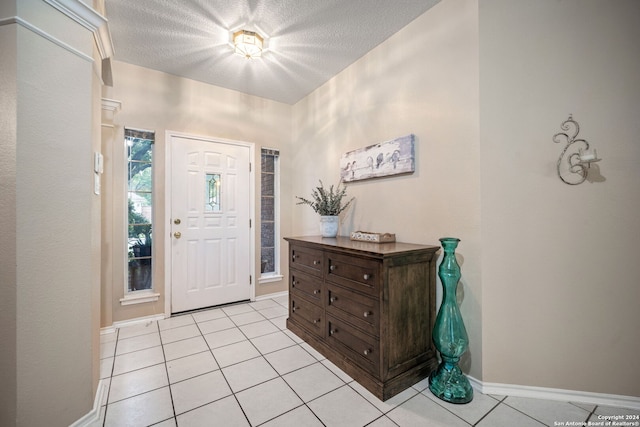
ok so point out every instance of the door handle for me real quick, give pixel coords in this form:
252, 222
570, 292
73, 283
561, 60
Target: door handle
177, 221
177, 234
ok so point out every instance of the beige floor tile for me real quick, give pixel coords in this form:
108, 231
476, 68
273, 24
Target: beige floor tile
344, 407
313, 381
176, 322
272, 342
184, 348
223, 338
267, 400
289, 359
138, 359
471, 412
215, 325
298, 417
180, 333
191, 366
142, 410
199, 391
235, 353
140, 342
243, 375
137, 382
422, 411
222, 412
505, 416
548, 411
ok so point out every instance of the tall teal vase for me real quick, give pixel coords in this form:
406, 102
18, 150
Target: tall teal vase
449, 334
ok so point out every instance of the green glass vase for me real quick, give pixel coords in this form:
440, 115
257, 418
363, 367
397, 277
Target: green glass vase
449, 334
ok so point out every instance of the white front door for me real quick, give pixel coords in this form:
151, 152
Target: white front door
210, 223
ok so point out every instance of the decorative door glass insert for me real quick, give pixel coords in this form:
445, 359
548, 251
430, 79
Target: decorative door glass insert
139, 146
212, 196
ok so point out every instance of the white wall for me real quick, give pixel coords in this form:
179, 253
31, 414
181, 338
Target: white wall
560, 271
423, 80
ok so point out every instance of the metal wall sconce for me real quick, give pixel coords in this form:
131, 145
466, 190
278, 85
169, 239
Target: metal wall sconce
579, 161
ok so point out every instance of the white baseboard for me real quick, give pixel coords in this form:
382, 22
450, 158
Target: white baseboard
131, 322
600, 399
107, 330
273, 295
93, 415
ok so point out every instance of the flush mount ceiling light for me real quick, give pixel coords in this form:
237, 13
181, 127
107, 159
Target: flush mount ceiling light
248, 43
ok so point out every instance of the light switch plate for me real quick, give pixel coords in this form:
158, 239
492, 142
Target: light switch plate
96, 183
98, 160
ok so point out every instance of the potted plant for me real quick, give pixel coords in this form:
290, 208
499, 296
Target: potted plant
328, 204
140, 244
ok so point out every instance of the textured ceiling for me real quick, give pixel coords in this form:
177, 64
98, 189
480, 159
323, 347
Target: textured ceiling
308, 41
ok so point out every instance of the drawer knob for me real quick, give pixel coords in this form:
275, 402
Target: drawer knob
316, 262
333, 299
333, 331
316, 291
367, 352
315, 322
366, 277
295, 308
367, 313
333, 267
295, 256
294, 283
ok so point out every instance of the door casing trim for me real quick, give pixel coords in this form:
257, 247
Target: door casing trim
169, 135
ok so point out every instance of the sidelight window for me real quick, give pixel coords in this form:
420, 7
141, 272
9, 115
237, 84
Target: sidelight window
139, 148
269, 199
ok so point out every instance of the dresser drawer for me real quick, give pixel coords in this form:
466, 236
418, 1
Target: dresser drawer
359, 310
306, 259
355, 273
306, 285
357, 346
306, 314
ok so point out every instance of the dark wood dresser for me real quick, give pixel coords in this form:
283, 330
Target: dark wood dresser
367, 307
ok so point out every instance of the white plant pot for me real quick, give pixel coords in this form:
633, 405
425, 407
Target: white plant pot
329, 226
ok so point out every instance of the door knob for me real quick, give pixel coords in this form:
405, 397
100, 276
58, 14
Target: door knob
177, 234
177, 221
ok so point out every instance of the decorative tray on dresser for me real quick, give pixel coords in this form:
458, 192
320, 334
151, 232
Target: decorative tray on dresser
367, 307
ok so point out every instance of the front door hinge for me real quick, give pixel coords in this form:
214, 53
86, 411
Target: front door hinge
249, 222
250, 279
249, 166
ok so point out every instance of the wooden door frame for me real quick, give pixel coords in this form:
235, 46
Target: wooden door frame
169, 135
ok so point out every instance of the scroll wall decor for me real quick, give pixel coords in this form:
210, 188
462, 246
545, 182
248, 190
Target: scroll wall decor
573, 168
385, 159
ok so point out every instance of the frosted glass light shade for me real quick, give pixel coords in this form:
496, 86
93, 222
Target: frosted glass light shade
248, 43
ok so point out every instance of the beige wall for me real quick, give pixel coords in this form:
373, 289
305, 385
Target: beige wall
157, 101
423, 80
560, 271
8, 236
47, 234
96, 218
549, 280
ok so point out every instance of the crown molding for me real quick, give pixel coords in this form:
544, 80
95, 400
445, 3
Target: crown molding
79, 12
25, 24
109, 109
112, 105
91, 20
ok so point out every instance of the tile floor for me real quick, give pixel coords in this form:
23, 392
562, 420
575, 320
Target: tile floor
238, 366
